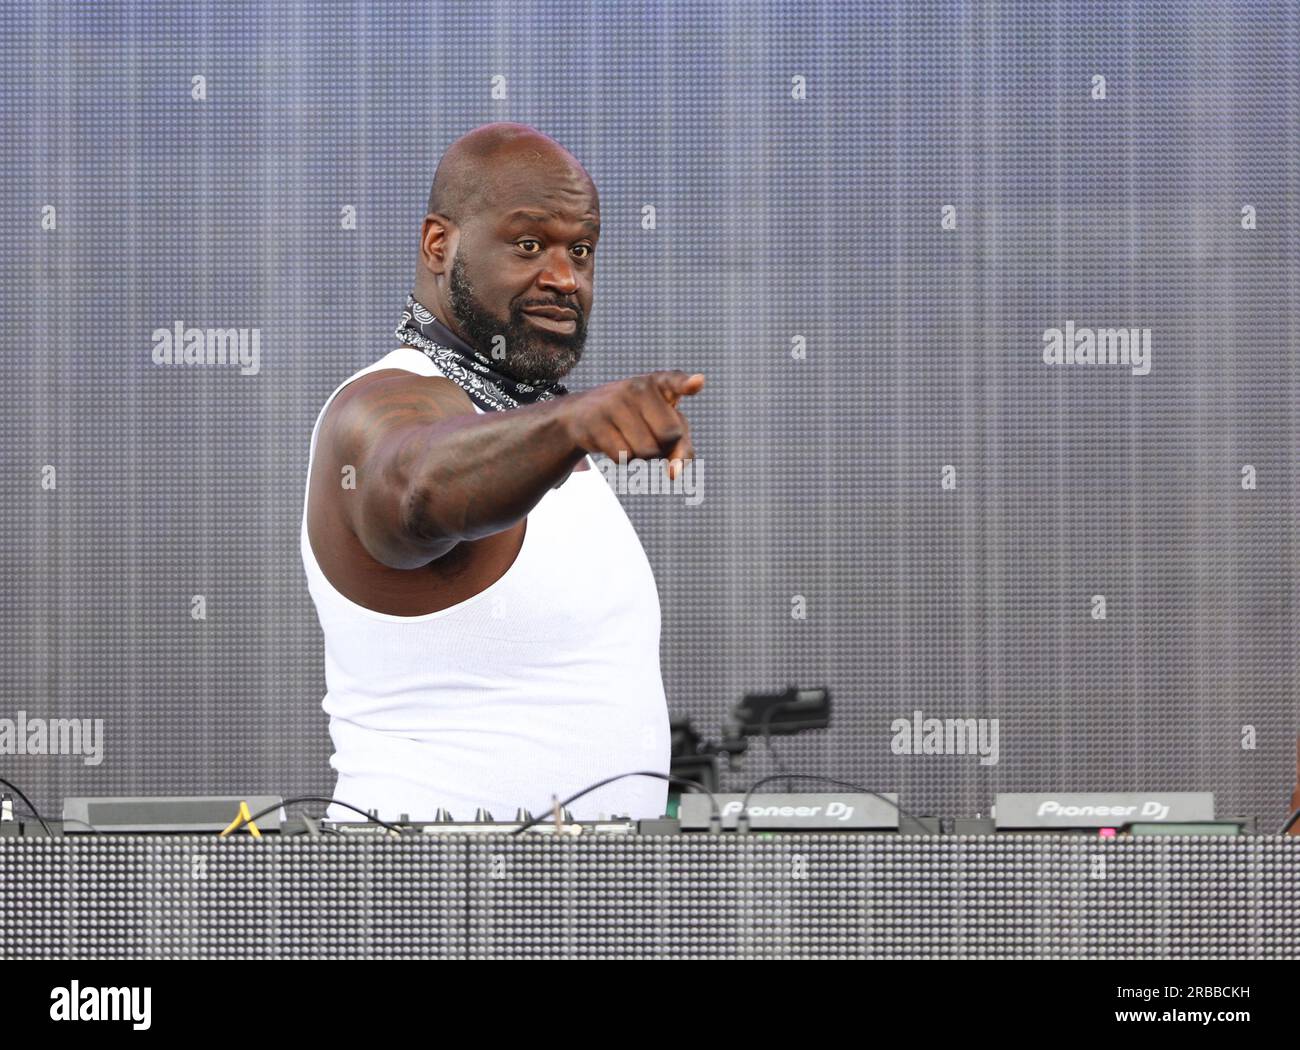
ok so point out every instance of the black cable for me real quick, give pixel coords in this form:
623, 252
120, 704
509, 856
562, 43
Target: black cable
11, 784
1290, 822
256, 816
322, 798
743, 815
766, 723
717, 811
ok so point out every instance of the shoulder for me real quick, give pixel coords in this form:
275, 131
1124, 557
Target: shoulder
388, 399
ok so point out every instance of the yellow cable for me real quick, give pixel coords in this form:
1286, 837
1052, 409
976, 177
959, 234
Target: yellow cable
246, 814
245, 817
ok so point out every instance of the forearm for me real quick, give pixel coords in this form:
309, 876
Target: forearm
472, 476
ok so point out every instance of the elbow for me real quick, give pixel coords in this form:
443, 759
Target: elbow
416, 519
411, 541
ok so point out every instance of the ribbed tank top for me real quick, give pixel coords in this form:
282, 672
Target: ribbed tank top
540, 685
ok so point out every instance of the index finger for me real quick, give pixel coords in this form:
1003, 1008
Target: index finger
676, 385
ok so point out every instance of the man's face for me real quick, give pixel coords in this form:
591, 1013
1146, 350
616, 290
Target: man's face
531, 256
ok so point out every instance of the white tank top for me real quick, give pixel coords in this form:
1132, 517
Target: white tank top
538, 686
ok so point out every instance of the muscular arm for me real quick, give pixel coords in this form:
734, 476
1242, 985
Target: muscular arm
432, 473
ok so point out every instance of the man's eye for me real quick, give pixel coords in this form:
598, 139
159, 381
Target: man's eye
586, 248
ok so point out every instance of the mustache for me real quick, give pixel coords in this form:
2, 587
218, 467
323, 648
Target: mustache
559, 304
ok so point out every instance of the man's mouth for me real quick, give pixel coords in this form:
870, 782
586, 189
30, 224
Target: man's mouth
553, 318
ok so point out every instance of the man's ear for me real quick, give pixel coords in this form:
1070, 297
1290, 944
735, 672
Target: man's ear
438, 238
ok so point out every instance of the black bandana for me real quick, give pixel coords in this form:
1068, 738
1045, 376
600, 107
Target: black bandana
474, 373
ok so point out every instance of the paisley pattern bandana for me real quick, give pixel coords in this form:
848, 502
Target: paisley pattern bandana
487, 387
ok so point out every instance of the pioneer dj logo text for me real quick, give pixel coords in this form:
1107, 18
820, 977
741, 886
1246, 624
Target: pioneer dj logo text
102, 1004
946, 736
1103, 346
53, 736
1152, 810
649, 477
830, 811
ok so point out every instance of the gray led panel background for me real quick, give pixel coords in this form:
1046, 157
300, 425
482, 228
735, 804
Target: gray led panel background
775, 218
700, 896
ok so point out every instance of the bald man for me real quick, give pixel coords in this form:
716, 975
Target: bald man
491, 621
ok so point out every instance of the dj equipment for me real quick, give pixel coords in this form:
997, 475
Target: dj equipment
1067, 811
1106, 813
695, 759
792, 711
794, 812
767, 812
482, 824
199, 814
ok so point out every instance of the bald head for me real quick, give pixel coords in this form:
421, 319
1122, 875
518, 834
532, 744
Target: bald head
507, 249
468, 173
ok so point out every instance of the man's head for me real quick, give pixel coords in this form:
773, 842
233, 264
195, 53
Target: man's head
511, 230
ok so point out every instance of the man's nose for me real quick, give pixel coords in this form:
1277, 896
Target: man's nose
559, 273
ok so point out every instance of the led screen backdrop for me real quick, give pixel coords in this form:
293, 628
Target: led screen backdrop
997, 304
